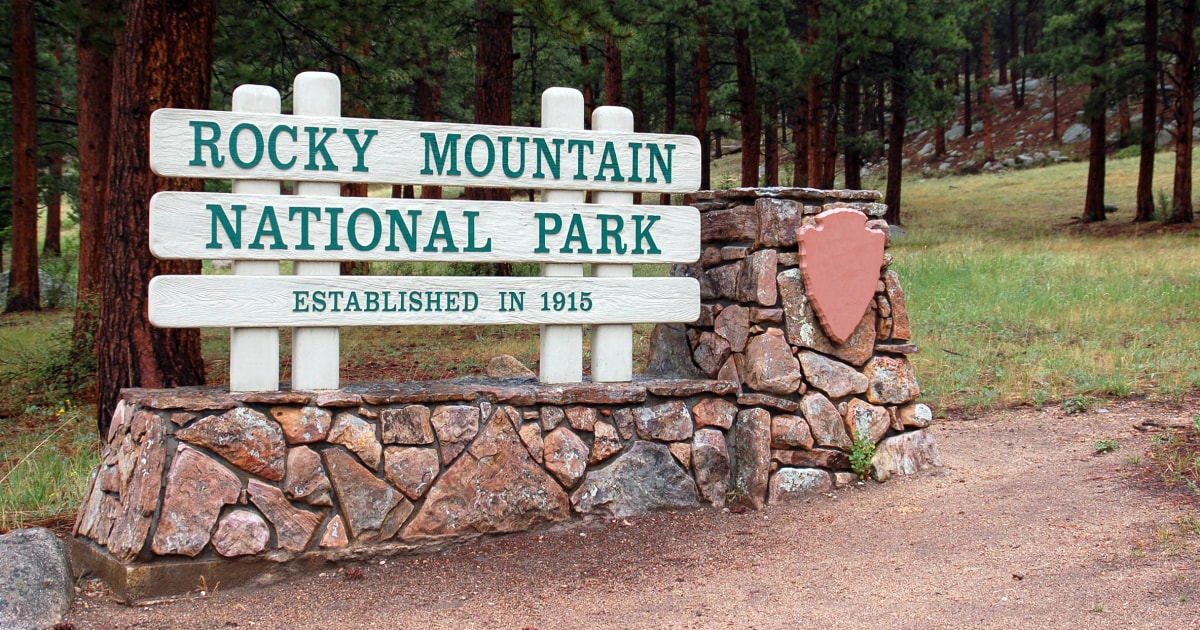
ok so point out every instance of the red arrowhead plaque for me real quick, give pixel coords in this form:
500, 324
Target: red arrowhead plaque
840, 259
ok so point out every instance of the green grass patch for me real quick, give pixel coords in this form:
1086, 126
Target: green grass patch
1013, 303
46, 456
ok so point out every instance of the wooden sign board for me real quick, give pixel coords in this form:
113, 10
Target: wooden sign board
271, 301
263, 227
237, 145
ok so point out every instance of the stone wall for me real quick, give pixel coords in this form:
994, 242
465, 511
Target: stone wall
752, 404
757, 328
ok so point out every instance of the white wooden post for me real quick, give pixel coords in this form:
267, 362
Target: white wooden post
315, 351
612, 344
254, 352
561, 352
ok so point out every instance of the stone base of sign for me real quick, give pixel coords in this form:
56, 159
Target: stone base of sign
751, 404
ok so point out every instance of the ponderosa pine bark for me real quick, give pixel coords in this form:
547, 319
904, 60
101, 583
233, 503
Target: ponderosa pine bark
829, 146
613, 72
1093, 203
95, 42
1181, 198
895, 157
163, 59
23, 289
850, 127
751, 123
985, 89
429, 101
771, 148
493, 77
1145, 185
700, 104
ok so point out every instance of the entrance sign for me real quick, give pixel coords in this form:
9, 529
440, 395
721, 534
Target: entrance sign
263, 227
246, 301
318, 229
231, 145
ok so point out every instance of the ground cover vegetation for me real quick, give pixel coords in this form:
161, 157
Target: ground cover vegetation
1024, 299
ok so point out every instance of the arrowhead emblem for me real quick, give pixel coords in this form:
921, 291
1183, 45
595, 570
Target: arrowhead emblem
840, 259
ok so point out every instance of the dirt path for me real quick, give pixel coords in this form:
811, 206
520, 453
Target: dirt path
1024, 527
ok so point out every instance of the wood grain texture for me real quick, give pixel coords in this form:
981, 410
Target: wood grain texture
267, 301
182, 225
397, 154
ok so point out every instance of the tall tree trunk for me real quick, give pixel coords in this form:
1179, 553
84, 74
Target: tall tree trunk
163, 59
800, 141
850, 129
751, 124
52, 243
700, 103
829, 149
493, 77
94, 73
1055, 124
815, 100
939, 127
1145, 185
23, 290
589, 95
1093, 204
612, 72
967, 93
669, 93
1181, 198
772, 146
985, 86
1014, 54
429, 102
895, 160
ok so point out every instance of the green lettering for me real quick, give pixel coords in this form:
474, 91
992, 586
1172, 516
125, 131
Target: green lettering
211, 143
408, 233
543, 231
372, 301
318, 146
471, 247
273, 149
218, 215
268, 216
633, 147
614, 232
504, 142
450, 148
234, 154
360, 150
301, 306
352, 229
441, 230
352, 302
491, 155
656, 156
578, 146
575, 233
553, 162
304, 212
608, 161
333, 245
644, 234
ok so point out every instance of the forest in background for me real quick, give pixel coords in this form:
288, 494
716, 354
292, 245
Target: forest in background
823, 85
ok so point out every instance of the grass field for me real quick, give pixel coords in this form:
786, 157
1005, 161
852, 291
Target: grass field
1012, 303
